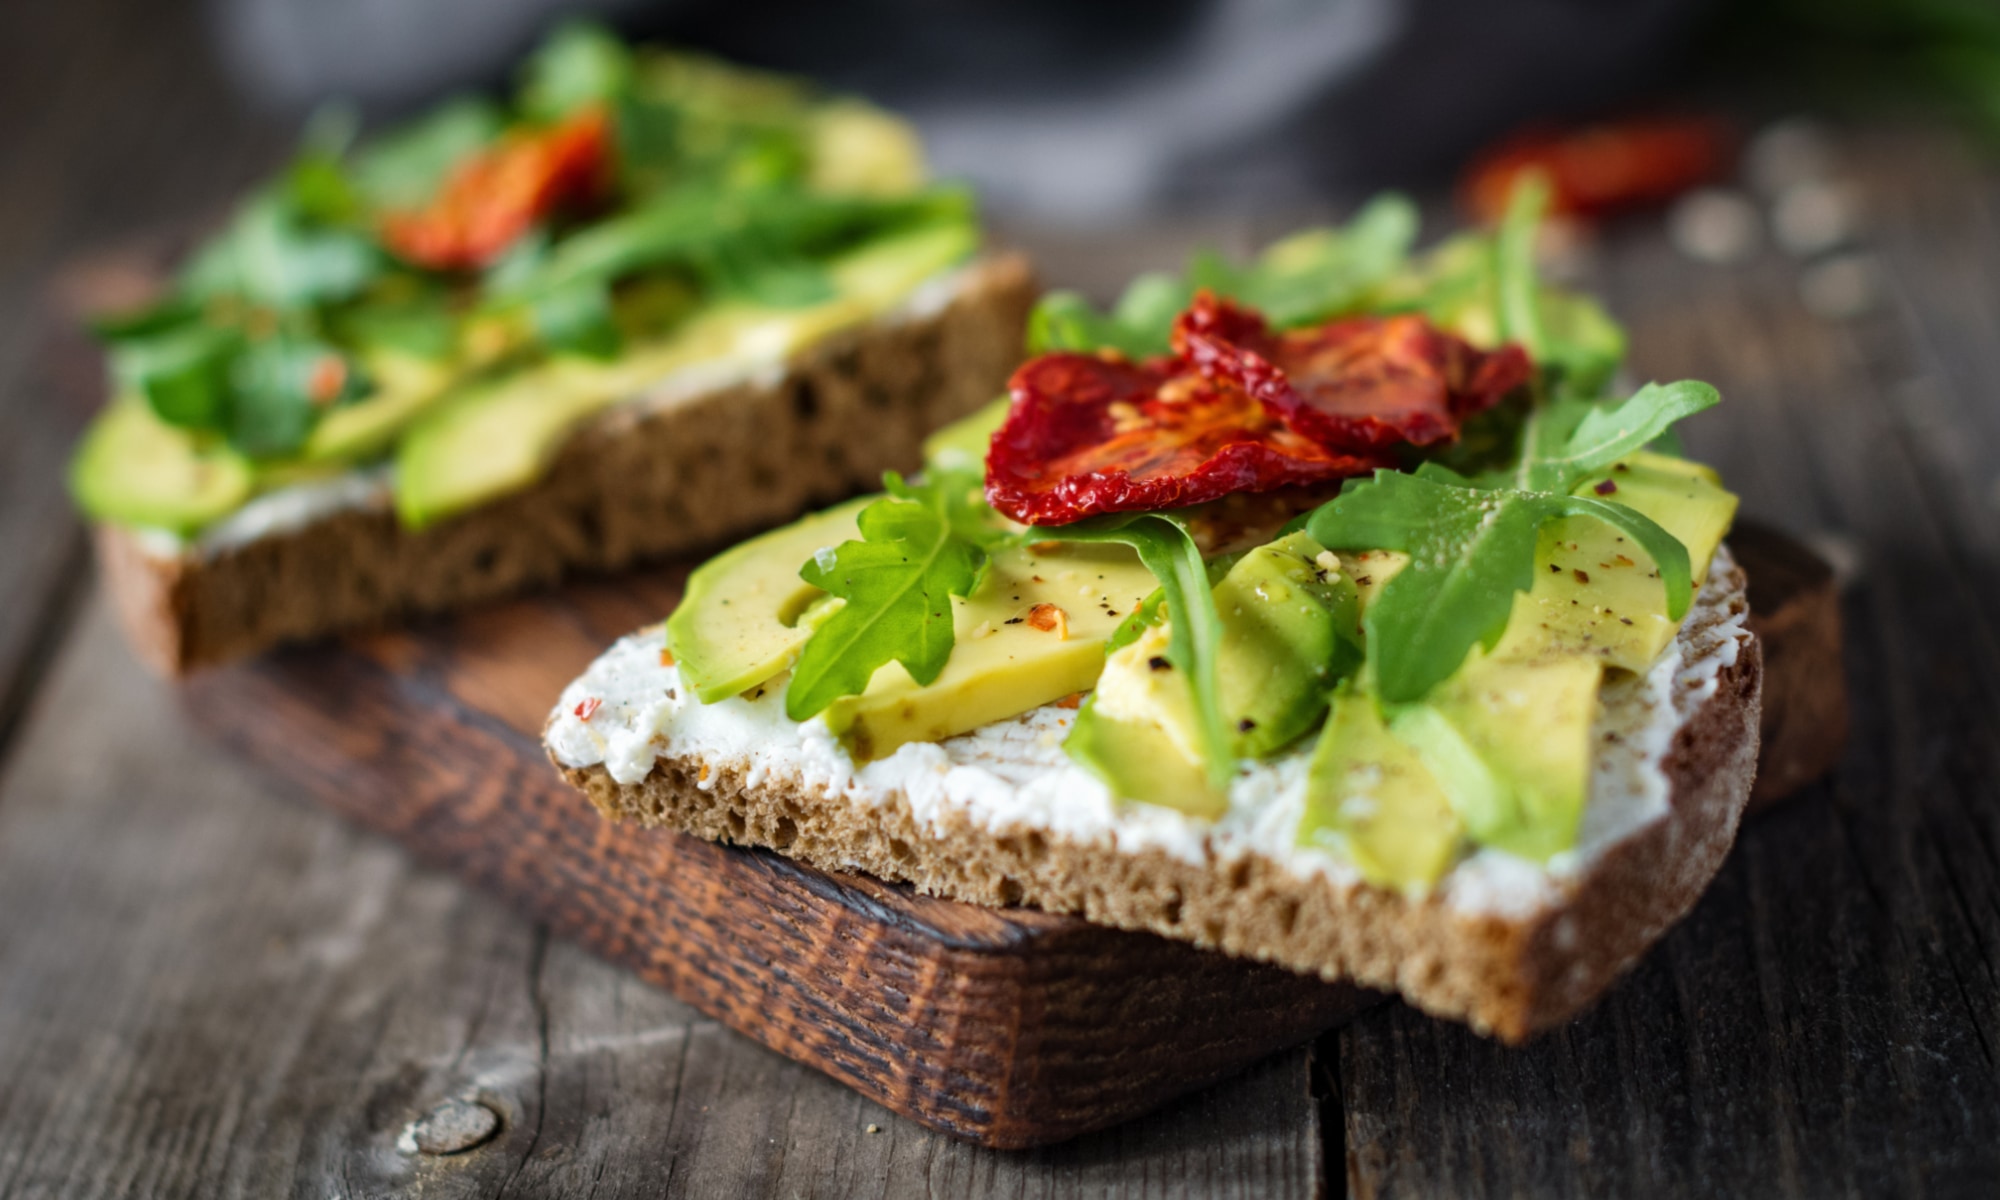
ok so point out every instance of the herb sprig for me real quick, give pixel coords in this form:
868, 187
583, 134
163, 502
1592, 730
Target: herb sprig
1471, 545
920, 545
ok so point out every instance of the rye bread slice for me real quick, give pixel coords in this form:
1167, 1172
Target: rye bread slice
1508, 970
632, 484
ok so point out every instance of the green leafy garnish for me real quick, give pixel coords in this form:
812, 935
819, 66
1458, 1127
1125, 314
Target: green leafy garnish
1320, 273
1519, 292
1471, 547
921, 545
1307, 277
1194, 629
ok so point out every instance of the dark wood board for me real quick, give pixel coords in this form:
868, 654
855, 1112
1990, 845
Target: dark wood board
1009, 1027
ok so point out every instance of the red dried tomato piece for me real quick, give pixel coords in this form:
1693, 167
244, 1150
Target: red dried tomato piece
1089, 435
1605, 168
492, 198
1361, 385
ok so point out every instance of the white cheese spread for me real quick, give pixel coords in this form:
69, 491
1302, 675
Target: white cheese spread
1012, 776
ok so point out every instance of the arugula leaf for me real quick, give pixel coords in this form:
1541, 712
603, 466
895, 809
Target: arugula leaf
269, 256
577, 318
1307, 277
1319, 273
1472, 545
1470, 550
279, 386
897, 582
1517, 292
1194, 629
180, 366
581, 63
1067, 321
404, 167
1570, 439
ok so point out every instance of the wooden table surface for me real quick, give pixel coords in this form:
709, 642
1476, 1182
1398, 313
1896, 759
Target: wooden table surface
210, 988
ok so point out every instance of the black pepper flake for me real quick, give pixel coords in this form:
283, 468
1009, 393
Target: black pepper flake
1245, 725
1606, 487
1365, 580
1554, 569
1110, 612
1013, 620
1582, 576
1626, 620
1621, 467
1159, 663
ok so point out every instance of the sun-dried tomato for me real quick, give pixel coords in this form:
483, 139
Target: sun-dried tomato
1612, 167
491, 199
1361, 385
1088, 435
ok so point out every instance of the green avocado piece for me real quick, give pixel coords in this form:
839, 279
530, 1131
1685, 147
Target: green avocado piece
1595, 593
134, 469
488, 439
745, 612
961, 445
1510, 743
405, 385
1372, 799
1290, 630
1140, 760
1030, 634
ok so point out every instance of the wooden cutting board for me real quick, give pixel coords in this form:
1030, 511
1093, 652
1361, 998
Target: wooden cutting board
1010, 1028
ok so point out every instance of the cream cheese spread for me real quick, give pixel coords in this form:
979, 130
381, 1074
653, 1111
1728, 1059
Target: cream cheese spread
1012, 776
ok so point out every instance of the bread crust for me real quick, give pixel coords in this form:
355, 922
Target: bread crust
1506, 975
633, 483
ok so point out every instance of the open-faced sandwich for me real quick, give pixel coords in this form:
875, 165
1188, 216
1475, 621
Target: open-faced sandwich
1329, 610
652, 303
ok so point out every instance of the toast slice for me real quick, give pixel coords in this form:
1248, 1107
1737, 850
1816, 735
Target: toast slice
999, 817
664, 474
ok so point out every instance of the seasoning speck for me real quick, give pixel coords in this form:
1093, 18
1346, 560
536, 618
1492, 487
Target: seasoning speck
1159, 663
587, 707
1582, 576
1605, 487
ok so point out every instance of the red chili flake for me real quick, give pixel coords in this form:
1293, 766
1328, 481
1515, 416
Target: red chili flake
587, 707
328, 378
1049, 618
666, 657
1605, 487
1361, 385
1073, 700
1604, 168
488, 201
1086, 435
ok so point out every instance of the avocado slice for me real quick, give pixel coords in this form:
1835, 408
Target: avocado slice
744, 614
1290, 629
1371, 798
1510, 743
1004, 661
134, 469
405, 385
1595, 593
496, 437
1139, 760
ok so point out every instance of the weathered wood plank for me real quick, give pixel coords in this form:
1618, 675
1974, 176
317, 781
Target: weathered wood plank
205, 991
